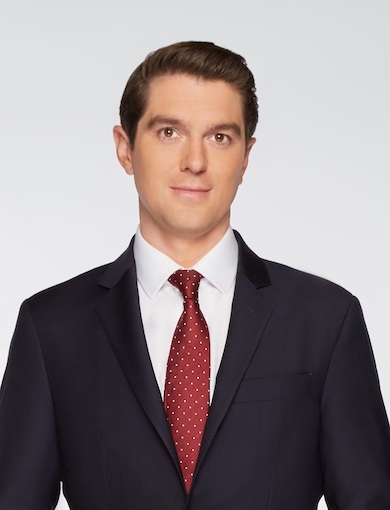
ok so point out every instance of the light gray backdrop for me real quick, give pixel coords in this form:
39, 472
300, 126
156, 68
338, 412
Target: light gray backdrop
316, 195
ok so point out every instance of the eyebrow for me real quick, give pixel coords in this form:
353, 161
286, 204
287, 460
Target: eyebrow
165, 121
173, 122
229, 126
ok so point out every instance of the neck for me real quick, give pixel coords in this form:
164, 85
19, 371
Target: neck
185, 250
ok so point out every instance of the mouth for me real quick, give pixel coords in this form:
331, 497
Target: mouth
189, 191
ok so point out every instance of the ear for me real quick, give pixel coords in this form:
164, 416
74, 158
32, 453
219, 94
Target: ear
251, 143
123, 149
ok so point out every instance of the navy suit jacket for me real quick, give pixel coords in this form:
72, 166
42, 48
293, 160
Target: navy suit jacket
296, 413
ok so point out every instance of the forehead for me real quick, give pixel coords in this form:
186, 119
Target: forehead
182, 94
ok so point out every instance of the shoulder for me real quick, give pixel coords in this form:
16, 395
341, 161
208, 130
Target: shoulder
70, 294
306, 288
290, 277
85, 287
280, 282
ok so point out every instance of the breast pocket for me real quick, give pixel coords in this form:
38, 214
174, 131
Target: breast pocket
275, 388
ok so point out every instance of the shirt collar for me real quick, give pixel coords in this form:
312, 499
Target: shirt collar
218, 266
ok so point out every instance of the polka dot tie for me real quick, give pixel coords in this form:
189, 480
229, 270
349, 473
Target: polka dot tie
186, 395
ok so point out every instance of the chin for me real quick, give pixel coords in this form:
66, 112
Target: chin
193, 230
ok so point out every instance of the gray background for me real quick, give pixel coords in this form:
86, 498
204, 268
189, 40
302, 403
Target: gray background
318, 180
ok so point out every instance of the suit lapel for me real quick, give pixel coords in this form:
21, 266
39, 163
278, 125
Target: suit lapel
120, 317
250, 314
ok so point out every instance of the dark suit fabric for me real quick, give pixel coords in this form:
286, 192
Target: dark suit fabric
297, 410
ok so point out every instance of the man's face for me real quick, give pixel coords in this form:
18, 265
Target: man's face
188, 158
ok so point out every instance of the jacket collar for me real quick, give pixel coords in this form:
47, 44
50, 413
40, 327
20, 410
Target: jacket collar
249, 265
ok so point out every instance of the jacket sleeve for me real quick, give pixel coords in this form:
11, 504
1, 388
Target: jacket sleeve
29, 466
355, 438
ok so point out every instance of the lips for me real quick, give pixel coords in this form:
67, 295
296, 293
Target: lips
189, 189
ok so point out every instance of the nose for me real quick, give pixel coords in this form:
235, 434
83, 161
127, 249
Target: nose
194, 156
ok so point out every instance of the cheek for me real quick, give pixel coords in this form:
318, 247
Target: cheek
143, 181
231, 175
235, 181
227, 190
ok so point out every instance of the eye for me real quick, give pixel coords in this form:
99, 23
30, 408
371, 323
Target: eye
221, 139
168, 133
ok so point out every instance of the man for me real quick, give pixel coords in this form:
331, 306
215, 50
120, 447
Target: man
189, 373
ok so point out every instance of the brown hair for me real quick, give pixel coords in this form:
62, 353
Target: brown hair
199, 59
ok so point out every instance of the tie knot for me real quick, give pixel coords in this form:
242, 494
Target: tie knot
187, 281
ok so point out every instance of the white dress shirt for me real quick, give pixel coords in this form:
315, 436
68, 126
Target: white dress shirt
161, 303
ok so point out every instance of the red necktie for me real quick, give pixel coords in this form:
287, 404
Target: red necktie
186, 395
